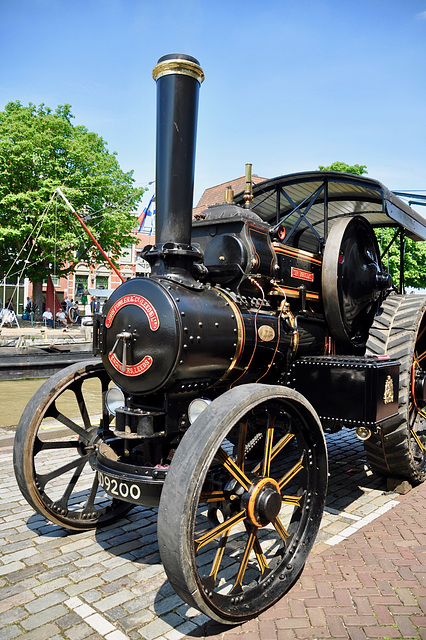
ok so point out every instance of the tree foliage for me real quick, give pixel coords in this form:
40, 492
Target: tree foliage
414, 259
357, 169
40, 150
414, 252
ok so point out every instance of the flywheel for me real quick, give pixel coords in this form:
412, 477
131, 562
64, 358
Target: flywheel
353, 280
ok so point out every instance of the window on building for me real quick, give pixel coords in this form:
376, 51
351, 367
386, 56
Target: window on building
101, 282
80, 288
126, 255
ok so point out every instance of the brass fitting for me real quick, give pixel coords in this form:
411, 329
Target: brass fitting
248, 191
178, 67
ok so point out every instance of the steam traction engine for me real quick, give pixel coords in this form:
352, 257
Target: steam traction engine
263, 323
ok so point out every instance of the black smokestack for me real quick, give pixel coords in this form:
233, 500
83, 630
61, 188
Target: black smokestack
178, 78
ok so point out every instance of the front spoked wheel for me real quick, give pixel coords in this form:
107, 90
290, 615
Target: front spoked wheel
56, 435
243, 501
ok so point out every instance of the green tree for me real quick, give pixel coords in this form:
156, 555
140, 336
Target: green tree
414, 258
414, 252
39, 151
358, 169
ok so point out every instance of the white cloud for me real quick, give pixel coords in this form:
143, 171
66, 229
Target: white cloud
421, 16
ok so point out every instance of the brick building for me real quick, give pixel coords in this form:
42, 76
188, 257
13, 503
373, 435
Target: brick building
100, 277
216, 195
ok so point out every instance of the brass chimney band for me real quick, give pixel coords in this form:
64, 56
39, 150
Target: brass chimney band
180, 67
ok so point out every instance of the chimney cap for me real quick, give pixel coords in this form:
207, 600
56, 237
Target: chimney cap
178, 64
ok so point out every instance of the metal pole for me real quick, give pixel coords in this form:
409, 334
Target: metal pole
278, 205
89, 233
325, 210
401, 261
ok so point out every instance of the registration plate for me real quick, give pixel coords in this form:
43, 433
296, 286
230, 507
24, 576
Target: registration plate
120, 488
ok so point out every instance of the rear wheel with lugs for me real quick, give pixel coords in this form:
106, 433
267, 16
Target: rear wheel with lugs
398, 448
243, 501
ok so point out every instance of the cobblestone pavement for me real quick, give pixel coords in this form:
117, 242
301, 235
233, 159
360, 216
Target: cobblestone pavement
364, 579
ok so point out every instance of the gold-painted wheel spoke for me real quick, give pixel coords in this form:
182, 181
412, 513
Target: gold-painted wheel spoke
277, 448
268, 448
219, 530
281, 530
295, 500
281, 444
219, 555
291, 474
212, 496
263, 565
417, 439
233, 468
419, 357
244, 562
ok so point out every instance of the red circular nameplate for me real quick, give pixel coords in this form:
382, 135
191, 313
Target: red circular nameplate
138, 301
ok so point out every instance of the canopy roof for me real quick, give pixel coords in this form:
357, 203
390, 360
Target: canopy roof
307, 204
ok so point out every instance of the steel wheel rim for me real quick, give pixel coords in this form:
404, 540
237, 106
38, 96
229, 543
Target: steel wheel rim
68, 494
251, 582
237, 568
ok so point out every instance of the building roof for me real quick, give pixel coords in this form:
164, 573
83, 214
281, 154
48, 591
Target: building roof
216, 195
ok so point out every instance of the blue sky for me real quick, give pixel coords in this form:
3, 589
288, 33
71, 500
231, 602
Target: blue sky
290, 84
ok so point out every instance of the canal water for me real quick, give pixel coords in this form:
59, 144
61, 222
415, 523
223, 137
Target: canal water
14, 395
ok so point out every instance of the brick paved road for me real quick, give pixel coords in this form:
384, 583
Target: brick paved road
364, 579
